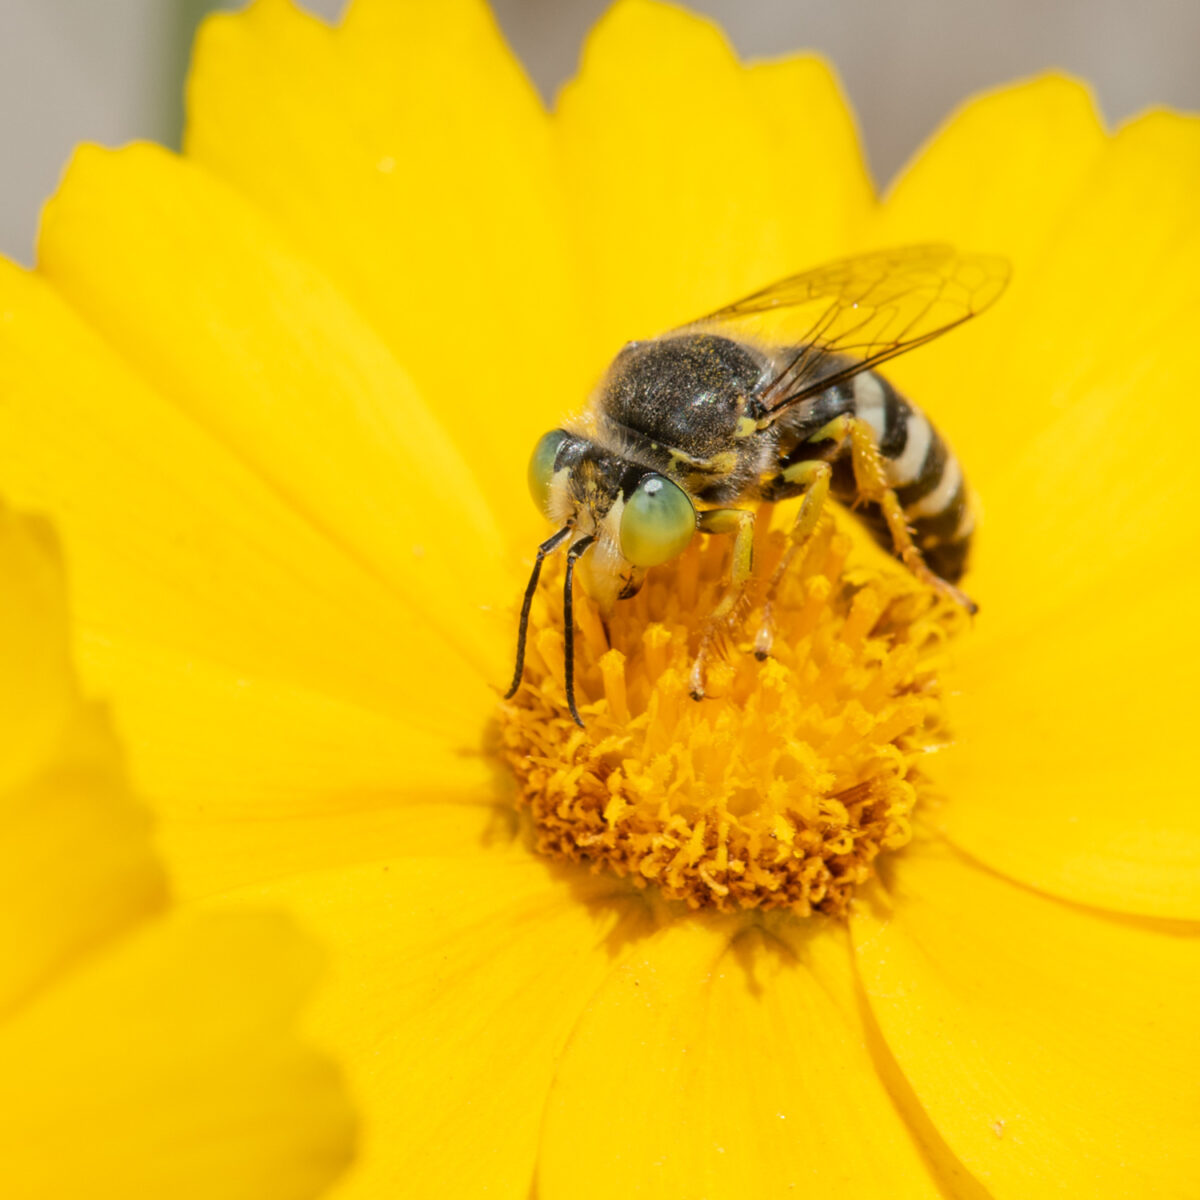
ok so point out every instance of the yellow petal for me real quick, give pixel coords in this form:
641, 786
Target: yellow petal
151, 1072
206, 301
255, 667
1071, 768
1120, 263
136, 1057
251, 778
1119, 269
274, 749
1001, 171
414, 166
213, 854
173, 543
1073, 702
817, 170
38, 695
76, 867
705, 1068
670, 150
452, 989
1052, 1047
1075, 699
1005, 175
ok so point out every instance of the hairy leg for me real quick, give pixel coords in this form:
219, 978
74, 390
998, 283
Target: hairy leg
740, 523
871, 485
811, 479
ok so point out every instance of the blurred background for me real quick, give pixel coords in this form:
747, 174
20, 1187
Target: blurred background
112, 70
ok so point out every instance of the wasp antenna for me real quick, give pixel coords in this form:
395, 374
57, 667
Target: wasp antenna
569, 624
551, 543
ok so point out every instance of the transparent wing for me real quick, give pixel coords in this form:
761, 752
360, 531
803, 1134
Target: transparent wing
851, 315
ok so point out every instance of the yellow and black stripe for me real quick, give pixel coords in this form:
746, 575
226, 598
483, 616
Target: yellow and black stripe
918, 464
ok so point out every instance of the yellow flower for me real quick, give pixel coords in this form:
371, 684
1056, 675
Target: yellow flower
281, 393
142, 1053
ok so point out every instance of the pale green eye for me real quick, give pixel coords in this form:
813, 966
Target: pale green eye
658, 522
541, 466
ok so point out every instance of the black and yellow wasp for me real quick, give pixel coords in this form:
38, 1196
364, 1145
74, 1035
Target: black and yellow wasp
774, 396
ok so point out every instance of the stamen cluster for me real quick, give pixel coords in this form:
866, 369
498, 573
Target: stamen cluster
779, 789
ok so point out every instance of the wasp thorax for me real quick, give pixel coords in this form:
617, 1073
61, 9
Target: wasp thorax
783, 786
688, 392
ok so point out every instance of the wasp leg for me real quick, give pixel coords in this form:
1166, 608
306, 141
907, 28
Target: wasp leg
871, 485
812, 478
739, 522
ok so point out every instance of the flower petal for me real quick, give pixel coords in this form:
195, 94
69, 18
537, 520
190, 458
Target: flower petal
1002, 171
415, 168
252, 778
210, 855
1071, 770
273, 749
1075, 706
1073, 700
38, 693
76, 866
817, 171
148, 1073
670, 151
705, 1068
205, 300
1005, 175
256, 669
1118, 266
453, 988
173, 543
1051, 1046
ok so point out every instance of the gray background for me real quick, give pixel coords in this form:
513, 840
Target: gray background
111, 70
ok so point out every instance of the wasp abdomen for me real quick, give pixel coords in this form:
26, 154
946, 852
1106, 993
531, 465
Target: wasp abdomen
918, 465
924, 472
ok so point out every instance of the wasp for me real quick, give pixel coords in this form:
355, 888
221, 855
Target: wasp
773, 397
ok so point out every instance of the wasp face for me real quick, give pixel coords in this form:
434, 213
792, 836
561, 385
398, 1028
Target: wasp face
622, 515
634, 517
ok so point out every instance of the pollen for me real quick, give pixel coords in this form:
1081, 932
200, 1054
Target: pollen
781, 787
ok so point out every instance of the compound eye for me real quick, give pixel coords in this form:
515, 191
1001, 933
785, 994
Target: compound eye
541, 466
657, 523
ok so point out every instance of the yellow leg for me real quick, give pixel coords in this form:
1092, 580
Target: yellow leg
870, 481
739, 522
813, 477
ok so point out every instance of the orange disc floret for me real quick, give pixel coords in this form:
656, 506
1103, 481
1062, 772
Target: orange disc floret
779, 789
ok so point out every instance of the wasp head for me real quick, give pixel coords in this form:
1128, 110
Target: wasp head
636, 517
623, 516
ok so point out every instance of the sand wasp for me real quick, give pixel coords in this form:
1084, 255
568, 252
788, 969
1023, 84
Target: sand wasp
772, 397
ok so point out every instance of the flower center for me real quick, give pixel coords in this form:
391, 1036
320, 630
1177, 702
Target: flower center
784, 784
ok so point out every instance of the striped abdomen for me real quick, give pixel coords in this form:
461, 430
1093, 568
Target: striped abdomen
919, 465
